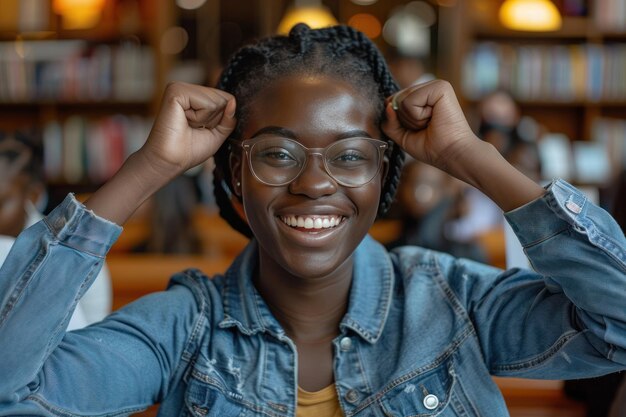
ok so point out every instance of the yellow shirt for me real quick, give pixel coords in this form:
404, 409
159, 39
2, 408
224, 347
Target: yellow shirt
322, 403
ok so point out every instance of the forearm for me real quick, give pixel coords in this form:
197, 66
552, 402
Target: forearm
482, 166
133, 184
192, 124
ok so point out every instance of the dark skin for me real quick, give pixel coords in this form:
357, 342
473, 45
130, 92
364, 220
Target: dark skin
305, 275
194, 121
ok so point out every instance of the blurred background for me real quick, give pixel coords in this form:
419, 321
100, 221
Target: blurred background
544, 81
72, 67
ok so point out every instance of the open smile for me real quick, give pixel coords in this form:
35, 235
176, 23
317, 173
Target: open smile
312, 223
312, 230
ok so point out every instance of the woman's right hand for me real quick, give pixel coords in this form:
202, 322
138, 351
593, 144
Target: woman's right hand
191, 125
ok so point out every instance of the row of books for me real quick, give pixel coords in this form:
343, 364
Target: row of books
547, 72
610, 15
75, 71
80, 150
595, 161
582, 162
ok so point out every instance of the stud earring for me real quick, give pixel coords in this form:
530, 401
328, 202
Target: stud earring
238, 184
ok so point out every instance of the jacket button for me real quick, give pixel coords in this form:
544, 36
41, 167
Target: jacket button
352, 396
345, 344
431, 401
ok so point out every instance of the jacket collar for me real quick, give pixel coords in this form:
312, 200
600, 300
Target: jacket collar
370, 294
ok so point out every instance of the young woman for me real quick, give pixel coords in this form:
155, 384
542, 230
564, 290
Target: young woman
314, 317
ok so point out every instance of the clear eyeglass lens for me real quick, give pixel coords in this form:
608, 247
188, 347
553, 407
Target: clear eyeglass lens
277, 160
351, 162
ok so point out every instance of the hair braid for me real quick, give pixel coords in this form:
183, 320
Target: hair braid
300, 35
339, 51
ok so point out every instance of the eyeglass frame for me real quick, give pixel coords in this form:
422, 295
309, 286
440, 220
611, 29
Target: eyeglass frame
247, 144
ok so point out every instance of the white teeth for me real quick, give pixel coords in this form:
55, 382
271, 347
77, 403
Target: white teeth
312, 222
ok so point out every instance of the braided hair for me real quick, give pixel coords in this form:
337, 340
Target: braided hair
339, 51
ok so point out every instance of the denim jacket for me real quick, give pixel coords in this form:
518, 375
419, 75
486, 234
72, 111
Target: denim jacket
421, 337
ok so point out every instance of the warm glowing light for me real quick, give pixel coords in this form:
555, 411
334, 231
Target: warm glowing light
530, 15
174, 40
367, 24
315, 17
409, 28
79, 14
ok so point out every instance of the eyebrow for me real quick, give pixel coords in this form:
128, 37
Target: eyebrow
286, 133
275, 130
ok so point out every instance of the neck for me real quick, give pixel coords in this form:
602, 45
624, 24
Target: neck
309, 309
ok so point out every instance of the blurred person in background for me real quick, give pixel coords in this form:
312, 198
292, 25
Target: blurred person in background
427, 200
170, 215
22, 199
499, 118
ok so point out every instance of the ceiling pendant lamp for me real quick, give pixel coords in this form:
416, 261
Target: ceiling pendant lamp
313, 13
530, 15
79, 14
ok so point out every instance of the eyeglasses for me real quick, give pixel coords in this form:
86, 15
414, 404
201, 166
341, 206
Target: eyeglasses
277, 161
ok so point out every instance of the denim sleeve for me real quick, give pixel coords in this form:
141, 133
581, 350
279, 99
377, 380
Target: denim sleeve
567, 318
114, 367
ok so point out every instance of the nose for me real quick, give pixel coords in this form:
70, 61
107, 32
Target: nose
313, 181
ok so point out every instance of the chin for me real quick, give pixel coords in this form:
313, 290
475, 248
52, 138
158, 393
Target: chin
306, 261
314, 265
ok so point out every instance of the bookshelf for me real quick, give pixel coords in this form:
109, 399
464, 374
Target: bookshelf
91, 93
571, 80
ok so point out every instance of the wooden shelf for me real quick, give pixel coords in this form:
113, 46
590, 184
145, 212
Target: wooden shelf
573, 28
564, 103
581, 29
107, 104
106, 38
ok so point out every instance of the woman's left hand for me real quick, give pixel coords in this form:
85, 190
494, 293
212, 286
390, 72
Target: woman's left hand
428, 123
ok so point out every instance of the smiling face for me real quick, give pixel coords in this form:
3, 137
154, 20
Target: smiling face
309, 227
